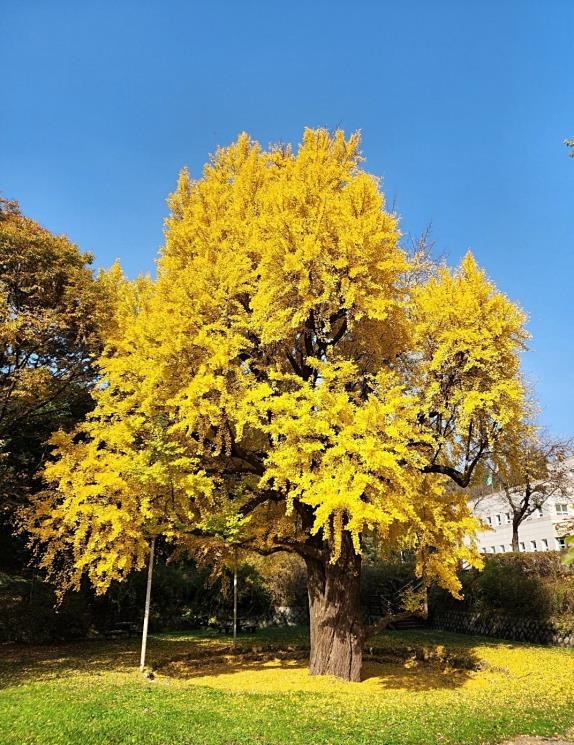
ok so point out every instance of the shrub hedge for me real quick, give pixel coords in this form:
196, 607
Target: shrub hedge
531, 585
183, 597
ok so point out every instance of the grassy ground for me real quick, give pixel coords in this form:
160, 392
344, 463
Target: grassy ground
418, 687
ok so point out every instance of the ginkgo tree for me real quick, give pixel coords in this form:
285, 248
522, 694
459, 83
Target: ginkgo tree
294, 378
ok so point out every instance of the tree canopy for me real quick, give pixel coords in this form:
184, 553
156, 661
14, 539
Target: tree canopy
293, 380
50, 313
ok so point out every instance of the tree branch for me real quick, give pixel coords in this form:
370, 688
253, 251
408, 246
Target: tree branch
294, 365
461, 478
238, 452
285, 545
382, 623
340, 333
258, 500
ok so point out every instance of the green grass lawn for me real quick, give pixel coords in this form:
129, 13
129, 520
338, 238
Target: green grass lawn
418, 687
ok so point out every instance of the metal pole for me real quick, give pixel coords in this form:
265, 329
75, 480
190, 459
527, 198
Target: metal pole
234, 595
147, 604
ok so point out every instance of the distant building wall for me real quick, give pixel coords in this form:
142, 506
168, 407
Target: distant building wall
544, 530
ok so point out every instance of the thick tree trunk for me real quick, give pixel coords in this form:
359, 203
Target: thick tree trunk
337, 634
515, 526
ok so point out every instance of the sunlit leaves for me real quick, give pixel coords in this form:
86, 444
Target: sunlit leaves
51, 310
290, 359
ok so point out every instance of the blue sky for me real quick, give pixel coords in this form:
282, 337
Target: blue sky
463, 107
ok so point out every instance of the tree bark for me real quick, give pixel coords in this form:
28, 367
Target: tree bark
515, 525
337, 633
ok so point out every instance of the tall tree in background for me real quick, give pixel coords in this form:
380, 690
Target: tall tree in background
529, 468
293, 381
49, 317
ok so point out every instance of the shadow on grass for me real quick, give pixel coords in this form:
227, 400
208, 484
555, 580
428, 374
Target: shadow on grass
409, 662
387, 675
424, 677
423, 668
21, 664
231, 661
24, 663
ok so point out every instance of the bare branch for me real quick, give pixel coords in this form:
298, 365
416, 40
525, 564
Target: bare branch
382, 624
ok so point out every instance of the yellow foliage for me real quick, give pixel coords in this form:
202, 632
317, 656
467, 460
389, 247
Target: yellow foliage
289, 360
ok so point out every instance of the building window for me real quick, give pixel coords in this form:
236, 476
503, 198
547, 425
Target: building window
507, 516
560, 543
493, 549
502, 549
544, 544
539, 512
489, 519
498, 520
561, 508
533, 545
522, 546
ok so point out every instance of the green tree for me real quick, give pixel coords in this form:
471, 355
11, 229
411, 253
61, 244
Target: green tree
293, 381
50, 311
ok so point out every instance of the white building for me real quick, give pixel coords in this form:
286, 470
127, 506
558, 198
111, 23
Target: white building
544, 530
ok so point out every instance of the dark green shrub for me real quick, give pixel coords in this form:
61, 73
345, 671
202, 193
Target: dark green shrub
178, 591
532, 585
285, 579
253, 597
28, 612
506, 588
183, 596
385, 579
546, 564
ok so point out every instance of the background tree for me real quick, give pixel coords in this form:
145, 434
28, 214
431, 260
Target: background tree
50, 310
570, 144
531, 467
292, 377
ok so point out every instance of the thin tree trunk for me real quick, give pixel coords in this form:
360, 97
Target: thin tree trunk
337, 634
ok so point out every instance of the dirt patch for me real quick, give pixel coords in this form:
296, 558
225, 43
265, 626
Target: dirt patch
526, 740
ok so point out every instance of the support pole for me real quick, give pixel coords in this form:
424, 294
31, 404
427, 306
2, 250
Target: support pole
147, 604
234, 595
